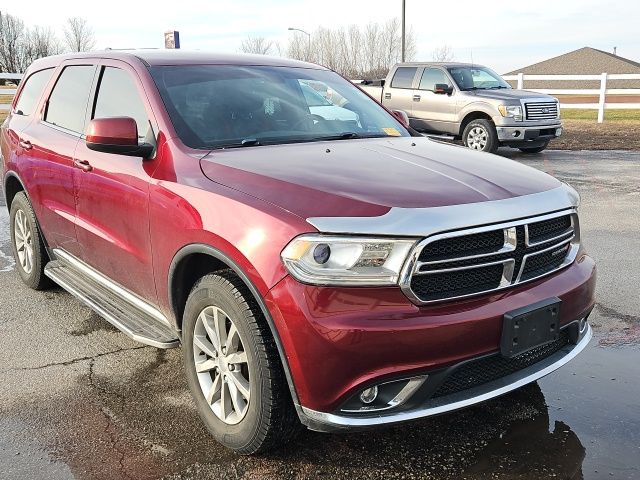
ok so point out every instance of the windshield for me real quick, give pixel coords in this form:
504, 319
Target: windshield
477, 78
225, 106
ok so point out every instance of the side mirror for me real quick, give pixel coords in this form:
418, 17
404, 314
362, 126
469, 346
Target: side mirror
401, 116
442, 88
117, 135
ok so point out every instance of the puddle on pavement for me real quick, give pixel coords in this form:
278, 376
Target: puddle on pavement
130, 417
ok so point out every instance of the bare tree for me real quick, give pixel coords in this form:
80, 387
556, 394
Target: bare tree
41, 42
259, 45
443, 53
354, 51
11, 44
78, 35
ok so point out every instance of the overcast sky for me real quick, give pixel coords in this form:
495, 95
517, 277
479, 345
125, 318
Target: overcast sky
503, 35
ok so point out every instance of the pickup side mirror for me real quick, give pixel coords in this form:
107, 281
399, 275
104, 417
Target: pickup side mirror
401, 116
117, 135
442, 88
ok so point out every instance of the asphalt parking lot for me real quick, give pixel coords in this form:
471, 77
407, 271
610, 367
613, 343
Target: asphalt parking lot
80, 400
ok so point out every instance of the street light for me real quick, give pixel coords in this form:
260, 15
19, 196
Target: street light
308, 38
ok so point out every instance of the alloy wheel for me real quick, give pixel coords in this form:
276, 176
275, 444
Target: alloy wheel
477, 138
222, 365
23, 238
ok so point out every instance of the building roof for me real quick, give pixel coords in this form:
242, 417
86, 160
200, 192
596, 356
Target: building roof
584, 61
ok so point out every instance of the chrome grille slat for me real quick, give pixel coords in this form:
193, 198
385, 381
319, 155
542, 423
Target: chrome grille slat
541, 110
553, 245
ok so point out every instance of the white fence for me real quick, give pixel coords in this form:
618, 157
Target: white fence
601, 92
8, 91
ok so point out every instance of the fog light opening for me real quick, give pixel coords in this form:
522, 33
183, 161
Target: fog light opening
369, 395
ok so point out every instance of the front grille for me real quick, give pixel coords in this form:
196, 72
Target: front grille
541, 263
456, 264
548, 229
541, 110
485, 242
488, 369
459, 282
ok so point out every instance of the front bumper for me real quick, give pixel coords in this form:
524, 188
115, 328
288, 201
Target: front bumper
339, 341
327, 422
528, 133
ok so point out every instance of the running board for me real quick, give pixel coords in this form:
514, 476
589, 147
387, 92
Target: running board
124, 310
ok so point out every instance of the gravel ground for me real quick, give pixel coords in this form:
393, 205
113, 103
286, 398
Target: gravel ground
589, 135
81, 400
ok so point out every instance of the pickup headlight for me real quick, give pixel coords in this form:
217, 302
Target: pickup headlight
354, 261
511, 111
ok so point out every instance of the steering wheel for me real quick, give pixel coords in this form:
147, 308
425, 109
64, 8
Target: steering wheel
308, 120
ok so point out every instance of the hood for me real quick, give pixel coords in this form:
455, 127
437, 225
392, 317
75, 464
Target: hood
367, 177
510, 94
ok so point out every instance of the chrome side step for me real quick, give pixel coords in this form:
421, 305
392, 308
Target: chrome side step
124, 310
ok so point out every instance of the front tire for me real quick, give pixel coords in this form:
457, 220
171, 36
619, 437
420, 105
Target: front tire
481, 135
27, 244
233, 368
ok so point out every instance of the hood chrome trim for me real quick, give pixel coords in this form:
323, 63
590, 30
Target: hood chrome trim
423, 222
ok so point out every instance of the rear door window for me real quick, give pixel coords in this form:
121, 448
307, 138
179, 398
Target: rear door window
118, 97
67, 105
32, 91
403, 78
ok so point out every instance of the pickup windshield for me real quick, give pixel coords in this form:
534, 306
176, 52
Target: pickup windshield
229, 106
477, 78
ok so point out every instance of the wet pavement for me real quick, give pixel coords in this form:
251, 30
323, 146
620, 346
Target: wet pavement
78, 399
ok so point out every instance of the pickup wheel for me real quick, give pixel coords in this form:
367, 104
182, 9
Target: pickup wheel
28, 248
533, 149
233, 368
481, 135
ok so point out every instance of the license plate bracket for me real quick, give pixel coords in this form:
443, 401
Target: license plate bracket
528, 327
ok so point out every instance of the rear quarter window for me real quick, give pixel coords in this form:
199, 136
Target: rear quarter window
67, 105
32, 91
403, 78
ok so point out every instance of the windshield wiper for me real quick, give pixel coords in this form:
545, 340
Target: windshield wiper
349, 135
247, 142
497, 87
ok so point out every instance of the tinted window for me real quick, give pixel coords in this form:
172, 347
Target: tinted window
118, 97
224, 106
32, 90
403, 77
431, 76
469, 78
68, 102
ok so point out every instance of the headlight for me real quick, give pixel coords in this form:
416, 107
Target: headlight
511, 111
334, 260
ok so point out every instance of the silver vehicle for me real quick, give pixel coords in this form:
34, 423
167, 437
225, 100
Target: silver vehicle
469, 102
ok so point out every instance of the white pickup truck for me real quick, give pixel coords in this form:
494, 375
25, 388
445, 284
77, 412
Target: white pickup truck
469, 102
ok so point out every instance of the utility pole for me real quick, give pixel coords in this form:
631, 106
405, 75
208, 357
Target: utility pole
403, 22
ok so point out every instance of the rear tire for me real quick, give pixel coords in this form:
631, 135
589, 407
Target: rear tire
27, 244
481, 135
533, 149
233, 368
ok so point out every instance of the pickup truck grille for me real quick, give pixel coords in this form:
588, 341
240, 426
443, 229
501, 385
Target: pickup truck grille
541, 110
471, 262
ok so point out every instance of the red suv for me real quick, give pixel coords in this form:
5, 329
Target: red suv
319, 264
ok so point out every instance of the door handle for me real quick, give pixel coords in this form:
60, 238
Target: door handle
83, 165
387, 96
416, 98
26, 144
